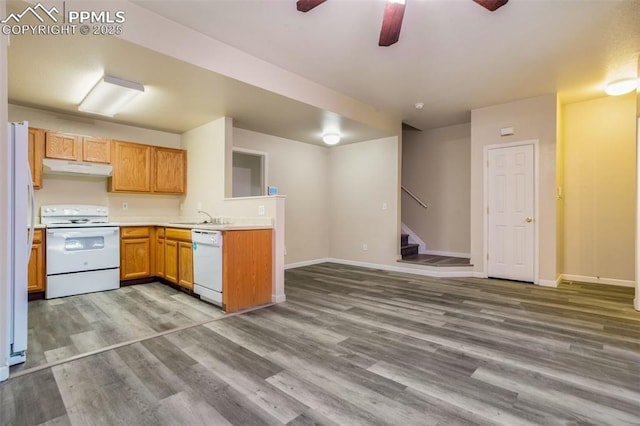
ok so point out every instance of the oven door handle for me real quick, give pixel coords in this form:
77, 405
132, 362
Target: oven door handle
76, 234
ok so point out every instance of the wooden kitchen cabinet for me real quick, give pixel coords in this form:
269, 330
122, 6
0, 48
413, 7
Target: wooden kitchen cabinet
185, 264
146, 168
36, 274
247, 262
96, 150
135, 252
62, 146
36, 153
178, 257
159, 253
170, 170
131, 167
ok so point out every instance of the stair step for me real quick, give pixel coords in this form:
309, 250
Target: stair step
409, 249
404, 239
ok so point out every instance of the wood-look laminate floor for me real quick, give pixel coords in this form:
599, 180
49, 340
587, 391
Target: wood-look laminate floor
355, 346
69, 326
436, 260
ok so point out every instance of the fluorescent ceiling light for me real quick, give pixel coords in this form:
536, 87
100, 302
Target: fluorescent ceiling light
110, 95
621, 87
331, 138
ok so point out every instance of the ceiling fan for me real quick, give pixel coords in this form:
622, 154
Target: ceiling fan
393, 14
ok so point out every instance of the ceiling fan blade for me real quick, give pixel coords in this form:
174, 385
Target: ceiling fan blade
307, 5
491, 4
391, 22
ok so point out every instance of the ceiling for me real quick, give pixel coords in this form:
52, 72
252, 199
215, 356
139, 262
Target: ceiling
453, 55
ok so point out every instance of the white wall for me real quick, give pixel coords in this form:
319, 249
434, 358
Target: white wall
599, 189
436, 167
532, 119
300, 171
363, 177
206, 148
84, 190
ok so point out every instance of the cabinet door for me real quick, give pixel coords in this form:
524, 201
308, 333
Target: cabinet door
96, 150
35, 272
61, 146
160, 258
185, 267
36, 152
170, 172
246, 268
171, 261
131, 167
135, 258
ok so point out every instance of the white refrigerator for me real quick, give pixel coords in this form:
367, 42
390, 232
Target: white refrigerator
20, 238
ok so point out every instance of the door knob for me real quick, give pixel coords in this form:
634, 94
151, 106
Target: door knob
529, 219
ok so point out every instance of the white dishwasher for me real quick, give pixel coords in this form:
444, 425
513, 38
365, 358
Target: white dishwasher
207, 265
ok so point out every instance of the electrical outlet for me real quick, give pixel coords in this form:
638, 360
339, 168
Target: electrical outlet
385, 206
125, 205
365, 247
181, 206
260, 210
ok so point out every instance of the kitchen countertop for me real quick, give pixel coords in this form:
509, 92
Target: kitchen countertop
207, 226
231, 223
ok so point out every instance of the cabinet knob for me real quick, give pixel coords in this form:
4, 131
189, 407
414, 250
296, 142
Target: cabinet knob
529, 219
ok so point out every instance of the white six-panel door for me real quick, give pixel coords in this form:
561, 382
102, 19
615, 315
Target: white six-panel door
510, 214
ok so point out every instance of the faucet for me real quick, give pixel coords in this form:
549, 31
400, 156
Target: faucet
211, 219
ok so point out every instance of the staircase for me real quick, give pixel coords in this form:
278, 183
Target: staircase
407, 249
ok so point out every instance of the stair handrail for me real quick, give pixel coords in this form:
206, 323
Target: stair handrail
414, 196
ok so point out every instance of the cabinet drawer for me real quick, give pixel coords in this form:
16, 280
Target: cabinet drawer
177, 234
134, 232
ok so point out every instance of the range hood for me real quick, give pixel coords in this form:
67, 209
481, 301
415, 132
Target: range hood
76, 168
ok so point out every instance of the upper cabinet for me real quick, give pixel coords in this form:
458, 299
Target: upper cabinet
170, 170
96, 150
146, 168
131, 167
35, 153
62, 146
136, 167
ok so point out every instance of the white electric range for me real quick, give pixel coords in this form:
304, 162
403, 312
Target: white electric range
82, 249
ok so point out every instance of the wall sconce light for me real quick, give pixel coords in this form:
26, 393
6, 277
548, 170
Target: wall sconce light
110, 95
621, 87
331, 138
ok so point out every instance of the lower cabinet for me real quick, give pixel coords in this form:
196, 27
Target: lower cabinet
185, 264
36, 275
148, 251
135, 252
178, 257
247, 268
159, 252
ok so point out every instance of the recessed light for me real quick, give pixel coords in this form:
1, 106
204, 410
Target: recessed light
621, 87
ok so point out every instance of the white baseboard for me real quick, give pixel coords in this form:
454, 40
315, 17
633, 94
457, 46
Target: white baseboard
278, 299
480, 275
306, 263
636, 302
416, 271
4, 373
414, 238
548, 283
596, 280
448, 253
